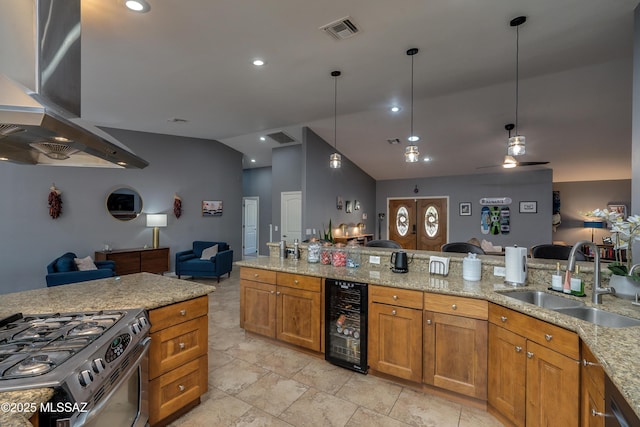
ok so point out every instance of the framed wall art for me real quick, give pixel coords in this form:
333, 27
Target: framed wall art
619, 209
528, 207
212, 208
347, 206
465, 208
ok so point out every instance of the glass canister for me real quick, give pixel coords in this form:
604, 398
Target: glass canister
325, 254
354, 254
339, 255
313, 252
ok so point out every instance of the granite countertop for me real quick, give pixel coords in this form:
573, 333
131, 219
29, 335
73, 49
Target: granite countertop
617, 349
143, 290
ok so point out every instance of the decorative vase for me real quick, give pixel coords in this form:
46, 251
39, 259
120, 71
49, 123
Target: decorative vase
625, 287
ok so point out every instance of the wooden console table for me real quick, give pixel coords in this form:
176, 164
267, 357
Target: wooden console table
139, 260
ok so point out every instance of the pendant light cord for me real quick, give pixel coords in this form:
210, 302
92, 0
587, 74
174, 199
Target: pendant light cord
411, 97
335, 113
517, 72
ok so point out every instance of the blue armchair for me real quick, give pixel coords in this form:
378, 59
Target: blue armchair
63, 270
189, 263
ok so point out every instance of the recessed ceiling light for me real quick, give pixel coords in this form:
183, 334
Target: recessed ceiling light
4, 158
137, 5
427, 159
395, 109
122, 163
262, 138
253, 160
258, 62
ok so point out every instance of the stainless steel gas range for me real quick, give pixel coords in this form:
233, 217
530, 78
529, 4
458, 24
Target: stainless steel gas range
96, 362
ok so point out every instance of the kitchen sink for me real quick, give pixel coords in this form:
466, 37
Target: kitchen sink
544, 299
599, 317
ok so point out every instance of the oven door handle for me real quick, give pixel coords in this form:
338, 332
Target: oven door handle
87, 416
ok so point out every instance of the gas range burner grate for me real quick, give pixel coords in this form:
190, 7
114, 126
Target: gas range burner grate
87, 328
37, 364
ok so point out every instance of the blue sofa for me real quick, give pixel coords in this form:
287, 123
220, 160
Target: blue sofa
188, 263
63, 270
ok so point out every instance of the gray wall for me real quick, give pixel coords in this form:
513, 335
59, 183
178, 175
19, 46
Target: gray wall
322, 185
581, 197
526, 229
257, 183
287, 170
195, 169
635, 127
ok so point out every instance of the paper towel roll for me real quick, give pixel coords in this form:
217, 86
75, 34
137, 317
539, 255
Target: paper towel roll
515, 262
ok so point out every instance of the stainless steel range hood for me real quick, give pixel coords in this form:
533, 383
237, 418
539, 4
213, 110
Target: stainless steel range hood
43, 126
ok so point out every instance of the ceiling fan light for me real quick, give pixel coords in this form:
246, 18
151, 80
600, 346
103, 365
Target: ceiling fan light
516, 146
411, 154
509, 162
335, 161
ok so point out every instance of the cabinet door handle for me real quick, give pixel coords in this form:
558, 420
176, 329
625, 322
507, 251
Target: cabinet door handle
181, 346
272, 292
595, 413
548, 337
393, 312
181, 387
529, 355
295, 281
183, 312
454, 307
585, 362
518, 349
255, 274
395, 297
428, 321
503, 318
278, 293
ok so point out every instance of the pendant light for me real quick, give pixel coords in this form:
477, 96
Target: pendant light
509, 161
516, 145
411, 153
335, 160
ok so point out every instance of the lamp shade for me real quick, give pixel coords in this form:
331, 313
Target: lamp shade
593, 224
156, 220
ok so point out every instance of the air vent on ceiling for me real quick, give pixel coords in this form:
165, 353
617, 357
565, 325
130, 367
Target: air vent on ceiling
394, 141
281, 137
341, 29
54, 150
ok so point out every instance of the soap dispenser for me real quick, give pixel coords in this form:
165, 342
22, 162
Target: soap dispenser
577, 284
556, 279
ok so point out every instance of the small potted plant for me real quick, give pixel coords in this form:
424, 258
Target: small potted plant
624, 231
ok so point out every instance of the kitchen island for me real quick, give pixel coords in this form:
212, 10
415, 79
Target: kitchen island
616, 349
141, 290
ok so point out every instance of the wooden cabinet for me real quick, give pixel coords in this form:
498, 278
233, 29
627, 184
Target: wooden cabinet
284, 306
395, 332
455, 344
178, 364
592, 403
533, 370
130, 261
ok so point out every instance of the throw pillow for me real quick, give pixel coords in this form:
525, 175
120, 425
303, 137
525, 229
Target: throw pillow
209, 252
85, 264
65, 264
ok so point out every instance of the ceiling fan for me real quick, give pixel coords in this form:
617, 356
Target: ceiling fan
510, 161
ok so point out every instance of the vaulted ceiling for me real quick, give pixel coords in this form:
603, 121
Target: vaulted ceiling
192, 60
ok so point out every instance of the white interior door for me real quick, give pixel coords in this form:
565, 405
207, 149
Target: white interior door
250, 226
291, 215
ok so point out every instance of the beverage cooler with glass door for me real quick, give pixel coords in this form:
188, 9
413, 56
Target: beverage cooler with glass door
346, 324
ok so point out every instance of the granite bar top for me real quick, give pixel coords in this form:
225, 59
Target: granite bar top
617, 349
140, 290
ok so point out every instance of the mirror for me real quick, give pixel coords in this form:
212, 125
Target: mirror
124, 204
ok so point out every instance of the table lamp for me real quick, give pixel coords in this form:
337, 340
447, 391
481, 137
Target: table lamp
156, 221
593, 225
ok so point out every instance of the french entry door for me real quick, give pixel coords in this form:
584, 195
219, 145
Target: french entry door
418, 223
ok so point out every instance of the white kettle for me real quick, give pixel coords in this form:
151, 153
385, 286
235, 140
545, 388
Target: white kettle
515, 262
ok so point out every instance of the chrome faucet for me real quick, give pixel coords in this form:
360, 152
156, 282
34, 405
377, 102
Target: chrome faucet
596, 296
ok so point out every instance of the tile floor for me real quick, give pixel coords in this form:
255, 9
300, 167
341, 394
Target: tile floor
253, 382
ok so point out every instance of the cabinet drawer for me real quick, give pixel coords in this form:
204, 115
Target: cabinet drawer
258, 275
308, 283
546, 334
172, 347
456, 305
174, 314
174, 390
394, 296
